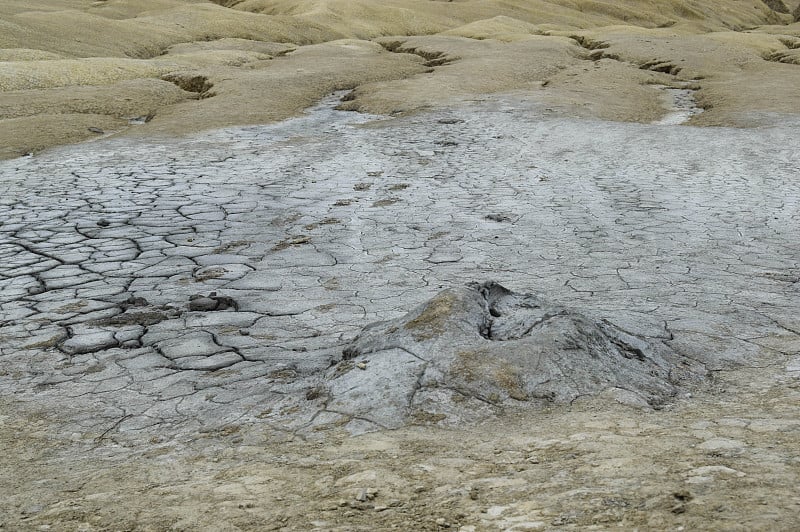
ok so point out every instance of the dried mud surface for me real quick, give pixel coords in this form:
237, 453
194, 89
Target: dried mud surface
170, 308
73, 70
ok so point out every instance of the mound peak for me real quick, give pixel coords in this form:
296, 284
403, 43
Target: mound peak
472, 350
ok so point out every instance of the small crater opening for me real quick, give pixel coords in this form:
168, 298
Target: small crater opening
191, 83
657, 65
432, 58
589, 44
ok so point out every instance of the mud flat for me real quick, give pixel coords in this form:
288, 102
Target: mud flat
72, 71
174, 311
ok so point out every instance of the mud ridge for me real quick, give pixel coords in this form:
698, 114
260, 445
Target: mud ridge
432, 58
191, 83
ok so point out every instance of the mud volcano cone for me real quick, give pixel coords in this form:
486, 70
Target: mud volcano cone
473, 350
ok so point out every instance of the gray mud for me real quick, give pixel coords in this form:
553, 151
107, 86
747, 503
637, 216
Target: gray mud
470, 350
177, 287
680, 105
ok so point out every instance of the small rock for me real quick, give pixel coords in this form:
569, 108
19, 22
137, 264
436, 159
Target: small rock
225, 302
133, 301
722, 446
31, 510
96, 130
89, 342
139, 120
366, 494
202, 304
361, 366
313, 393
496, 511
102, 222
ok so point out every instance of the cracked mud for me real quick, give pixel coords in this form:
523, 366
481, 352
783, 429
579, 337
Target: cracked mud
154, 291
169, 284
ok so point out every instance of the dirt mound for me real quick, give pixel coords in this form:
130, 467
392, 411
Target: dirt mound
471, 350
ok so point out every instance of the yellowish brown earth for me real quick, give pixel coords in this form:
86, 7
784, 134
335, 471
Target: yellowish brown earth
186, 65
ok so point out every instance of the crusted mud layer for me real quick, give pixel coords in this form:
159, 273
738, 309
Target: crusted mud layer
183, 341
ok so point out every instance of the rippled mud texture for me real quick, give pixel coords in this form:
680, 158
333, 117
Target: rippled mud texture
73, 71
175, 312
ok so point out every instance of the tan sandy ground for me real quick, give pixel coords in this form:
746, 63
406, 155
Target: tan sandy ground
725, 460
185, 65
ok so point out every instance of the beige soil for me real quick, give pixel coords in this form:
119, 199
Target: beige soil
725, 459
110, 65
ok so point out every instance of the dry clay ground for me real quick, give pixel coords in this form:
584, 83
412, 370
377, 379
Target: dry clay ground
72, 70
725, 458
686, 241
